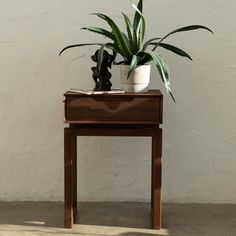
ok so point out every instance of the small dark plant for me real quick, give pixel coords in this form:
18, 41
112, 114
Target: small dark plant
101, 74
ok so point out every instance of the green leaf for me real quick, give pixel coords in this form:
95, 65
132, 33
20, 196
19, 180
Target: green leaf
137, 15
136, 44
115, 50
130, 31
165, 68
186, 28
112, 47
144, 58
167, 75
100, 56
143, 30
107, 45
126, 38
139, 23
118, 35
120, 62
133, 65
174, 49
161, 66
79, 45
172, 96
149, 43
101, 31
139, 38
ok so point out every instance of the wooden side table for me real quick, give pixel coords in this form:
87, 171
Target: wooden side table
125, 114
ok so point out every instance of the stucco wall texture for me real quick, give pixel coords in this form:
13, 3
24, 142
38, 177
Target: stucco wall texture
199, 146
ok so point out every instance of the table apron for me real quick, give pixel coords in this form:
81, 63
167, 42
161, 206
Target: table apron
139, 132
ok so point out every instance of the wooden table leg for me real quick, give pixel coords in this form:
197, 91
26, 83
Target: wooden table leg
68, 179
152, 174
156, 179
74, 159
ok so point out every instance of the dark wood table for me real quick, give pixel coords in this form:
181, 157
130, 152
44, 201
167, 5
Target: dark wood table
128, 114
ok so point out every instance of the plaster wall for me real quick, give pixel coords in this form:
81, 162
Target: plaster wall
199, 152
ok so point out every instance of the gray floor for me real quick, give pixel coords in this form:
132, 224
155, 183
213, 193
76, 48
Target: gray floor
116, 219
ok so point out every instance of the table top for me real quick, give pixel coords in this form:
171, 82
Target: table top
106, 109
150, 93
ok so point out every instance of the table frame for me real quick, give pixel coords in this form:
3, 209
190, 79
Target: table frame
70, 163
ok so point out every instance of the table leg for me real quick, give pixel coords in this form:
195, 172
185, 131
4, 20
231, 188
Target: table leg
68, 179
152, 174
156, 179
74, 159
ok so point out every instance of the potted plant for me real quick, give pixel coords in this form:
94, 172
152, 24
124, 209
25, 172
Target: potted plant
136, 53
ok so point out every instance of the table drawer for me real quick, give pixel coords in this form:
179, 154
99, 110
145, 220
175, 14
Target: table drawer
113, 109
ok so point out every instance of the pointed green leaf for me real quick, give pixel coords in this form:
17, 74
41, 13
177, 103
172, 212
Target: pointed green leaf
149, 43
115, 50
112, 47
167, 75
136, 44
126, 38
130, 30
137, 16
187, 28
133, 65
174, 49
118, 35
165, 68
140, 34
78, 45
139, 23
120, 62
144, 58
160, 66
101, 31
100, 56
108, 45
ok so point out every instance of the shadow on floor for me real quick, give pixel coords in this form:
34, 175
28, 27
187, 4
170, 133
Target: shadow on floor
140, 234
41, 214
117, 219
94, 219
131, 215
50, 214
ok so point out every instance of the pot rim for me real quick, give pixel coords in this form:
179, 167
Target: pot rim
123, 65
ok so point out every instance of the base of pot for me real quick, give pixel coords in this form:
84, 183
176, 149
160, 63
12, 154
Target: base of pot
134, 88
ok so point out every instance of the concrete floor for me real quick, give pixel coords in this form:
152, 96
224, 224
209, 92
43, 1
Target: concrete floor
116, 219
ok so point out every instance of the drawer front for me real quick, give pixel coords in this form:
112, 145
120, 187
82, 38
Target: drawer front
113, 109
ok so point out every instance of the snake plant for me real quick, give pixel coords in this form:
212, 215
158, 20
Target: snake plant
132, 47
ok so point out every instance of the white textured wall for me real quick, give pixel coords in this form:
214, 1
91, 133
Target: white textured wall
199, 151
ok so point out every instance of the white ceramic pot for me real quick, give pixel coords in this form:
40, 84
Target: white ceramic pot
138, 81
